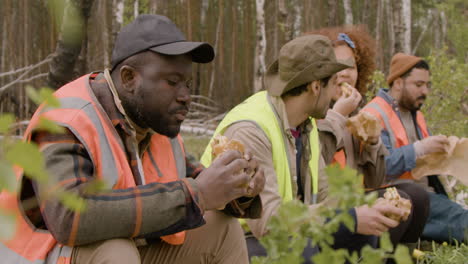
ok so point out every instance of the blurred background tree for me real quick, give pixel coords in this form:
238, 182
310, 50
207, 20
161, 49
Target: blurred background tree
247, 36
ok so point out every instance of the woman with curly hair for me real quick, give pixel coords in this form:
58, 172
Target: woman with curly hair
354, 43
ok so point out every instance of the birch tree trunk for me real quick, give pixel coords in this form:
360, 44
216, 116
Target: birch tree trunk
135, 8
390, 27
349, 12
406, 15
260, 47
297, 24
398, 25
117, 21
378, 34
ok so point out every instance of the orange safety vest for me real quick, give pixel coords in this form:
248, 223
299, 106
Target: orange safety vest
340, 158
82, 115
391, 122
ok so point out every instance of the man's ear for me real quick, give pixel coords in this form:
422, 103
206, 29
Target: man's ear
397, 84
314, 87
130, 78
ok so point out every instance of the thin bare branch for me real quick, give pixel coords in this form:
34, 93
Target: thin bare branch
27, 68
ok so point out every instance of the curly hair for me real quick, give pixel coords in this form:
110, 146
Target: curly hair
364, 53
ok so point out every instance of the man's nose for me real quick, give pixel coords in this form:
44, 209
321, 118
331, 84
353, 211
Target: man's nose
184, 95
425, 90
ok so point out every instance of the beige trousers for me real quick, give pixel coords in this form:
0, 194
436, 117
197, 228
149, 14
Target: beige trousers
220, 240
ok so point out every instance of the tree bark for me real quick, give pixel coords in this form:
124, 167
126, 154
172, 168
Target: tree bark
260, 48
71, 37
348, 12
136, 7
390, 28
117, 21
398, 25
378, 34
406, 15
332, 12
218, 32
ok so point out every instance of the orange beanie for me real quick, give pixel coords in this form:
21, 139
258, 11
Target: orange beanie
400, 64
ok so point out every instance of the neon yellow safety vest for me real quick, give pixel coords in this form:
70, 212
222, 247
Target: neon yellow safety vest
258, 109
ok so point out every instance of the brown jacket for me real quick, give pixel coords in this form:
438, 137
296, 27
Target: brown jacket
253, 137
370, 161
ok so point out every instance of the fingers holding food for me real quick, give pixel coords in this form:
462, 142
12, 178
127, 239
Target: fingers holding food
392, 196
365, 127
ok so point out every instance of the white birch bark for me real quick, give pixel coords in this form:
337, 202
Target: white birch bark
297, 21
406, 17
349, 12
118, 13
260, 48
135, 8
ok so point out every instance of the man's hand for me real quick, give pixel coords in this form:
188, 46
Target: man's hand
372, 220
345, 105
257, 182
226, 179
431, 144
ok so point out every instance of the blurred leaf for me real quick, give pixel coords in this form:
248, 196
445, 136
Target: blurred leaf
385, 242
72, 201
8, 224
45, 95
402, 255
95, 186
50, 126
27, 156
5, 122
7, 177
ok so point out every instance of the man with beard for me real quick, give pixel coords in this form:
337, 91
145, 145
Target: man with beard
121, 126
407, 138
279, 127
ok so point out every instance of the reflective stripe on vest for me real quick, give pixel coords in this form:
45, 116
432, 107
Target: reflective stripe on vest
257, 109
85, 118
390, 120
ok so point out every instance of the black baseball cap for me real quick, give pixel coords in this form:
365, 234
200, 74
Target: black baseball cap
159, 34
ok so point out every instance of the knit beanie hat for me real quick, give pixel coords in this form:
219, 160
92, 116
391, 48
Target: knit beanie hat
400, 64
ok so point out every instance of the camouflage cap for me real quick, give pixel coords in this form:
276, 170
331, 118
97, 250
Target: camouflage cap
300, 61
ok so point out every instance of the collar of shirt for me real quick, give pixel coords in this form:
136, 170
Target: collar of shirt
280, 111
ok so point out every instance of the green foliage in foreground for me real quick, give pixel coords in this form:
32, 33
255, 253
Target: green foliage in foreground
16, 154
445, 254
294, 223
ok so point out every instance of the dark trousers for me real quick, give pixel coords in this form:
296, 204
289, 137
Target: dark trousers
410, 230
343, 239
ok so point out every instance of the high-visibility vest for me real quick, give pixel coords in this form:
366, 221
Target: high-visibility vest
164, 161
340, 158
390, 120
258, 109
